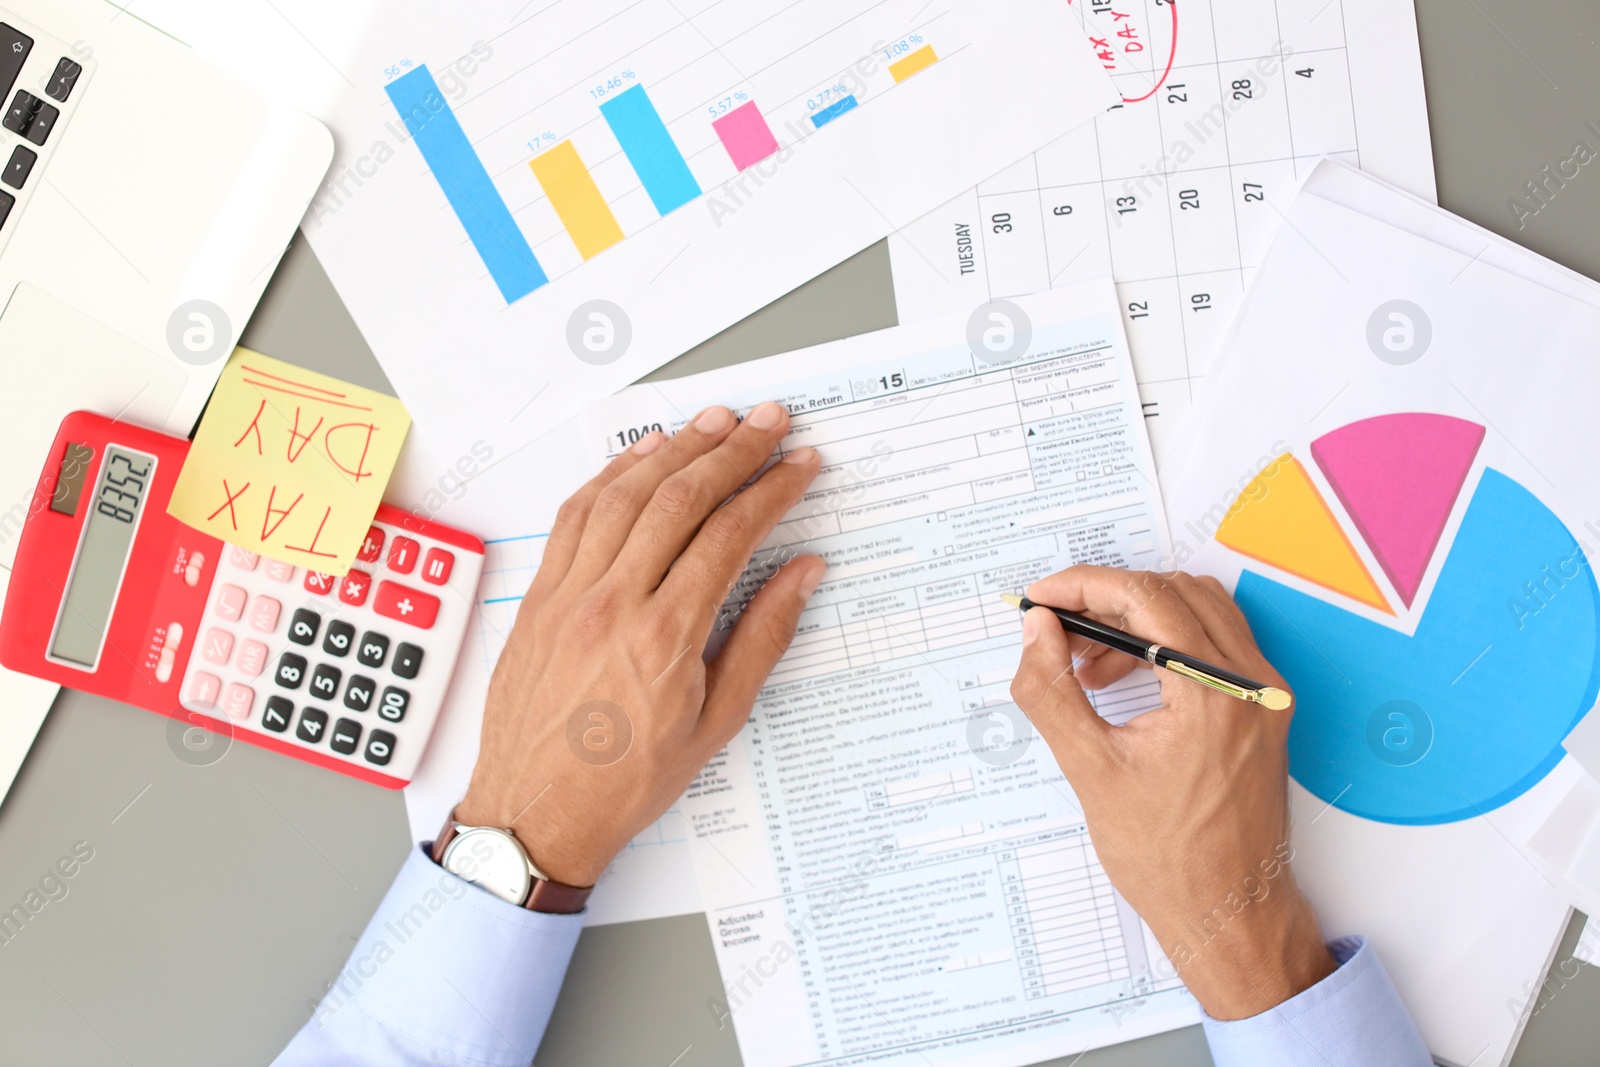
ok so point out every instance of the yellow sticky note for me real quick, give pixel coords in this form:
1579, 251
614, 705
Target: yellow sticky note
290, 463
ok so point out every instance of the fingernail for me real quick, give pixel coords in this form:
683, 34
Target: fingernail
648, 443
813, 578
712, 420
766, 415
803, 454
1032, 626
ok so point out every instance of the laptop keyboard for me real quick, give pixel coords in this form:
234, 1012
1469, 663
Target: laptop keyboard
40, 83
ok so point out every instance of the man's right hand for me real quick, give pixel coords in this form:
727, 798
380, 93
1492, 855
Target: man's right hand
1187, 805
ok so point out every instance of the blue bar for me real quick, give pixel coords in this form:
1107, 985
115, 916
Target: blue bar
833, 111
459, 171
649, 147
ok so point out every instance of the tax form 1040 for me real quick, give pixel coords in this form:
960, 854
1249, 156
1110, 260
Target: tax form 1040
894, 869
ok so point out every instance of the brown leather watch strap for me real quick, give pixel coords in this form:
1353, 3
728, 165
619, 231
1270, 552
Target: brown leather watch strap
552, 898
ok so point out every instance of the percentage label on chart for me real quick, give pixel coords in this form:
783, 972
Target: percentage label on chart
903, 45
541, 140
394, 70
616, 83
827, 96
728, 103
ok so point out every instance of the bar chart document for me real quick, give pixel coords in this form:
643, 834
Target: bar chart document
1177, 190
894, 869
536, 204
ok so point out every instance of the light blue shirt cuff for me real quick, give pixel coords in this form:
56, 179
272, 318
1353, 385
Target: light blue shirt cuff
1352, 1018
446, 973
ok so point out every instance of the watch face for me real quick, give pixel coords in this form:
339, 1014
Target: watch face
490, 859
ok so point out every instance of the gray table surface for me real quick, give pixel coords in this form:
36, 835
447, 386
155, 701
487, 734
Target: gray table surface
221, 899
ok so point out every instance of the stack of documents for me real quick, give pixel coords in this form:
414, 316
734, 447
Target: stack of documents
1391, 466
894, 869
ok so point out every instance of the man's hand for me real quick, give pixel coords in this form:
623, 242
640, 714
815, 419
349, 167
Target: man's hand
601, 710
1187, 805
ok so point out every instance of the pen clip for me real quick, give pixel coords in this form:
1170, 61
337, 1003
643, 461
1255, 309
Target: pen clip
1270, 697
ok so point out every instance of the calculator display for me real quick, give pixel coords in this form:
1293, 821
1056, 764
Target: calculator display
107, 540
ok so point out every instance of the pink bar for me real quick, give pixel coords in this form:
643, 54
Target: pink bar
745, 135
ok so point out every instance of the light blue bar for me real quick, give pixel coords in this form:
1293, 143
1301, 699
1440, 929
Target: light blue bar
649, 147
460, 173
833, 111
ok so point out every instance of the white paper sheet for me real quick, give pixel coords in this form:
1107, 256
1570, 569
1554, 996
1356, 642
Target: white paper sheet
886, 851
1177, 192
1464, 920
471, 358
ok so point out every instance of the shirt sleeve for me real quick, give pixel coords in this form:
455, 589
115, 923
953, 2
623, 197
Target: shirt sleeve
1352, 1018
446, 973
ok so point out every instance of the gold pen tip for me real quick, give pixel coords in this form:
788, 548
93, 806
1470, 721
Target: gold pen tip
1275, 699
1011, 598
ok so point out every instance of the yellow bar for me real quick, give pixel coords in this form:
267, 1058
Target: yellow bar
921, 59
576, 199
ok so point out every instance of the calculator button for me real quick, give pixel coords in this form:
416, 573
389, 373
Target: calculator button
394, 703
407, 660
353, 588
264, 614
325, 681
380, 746
242, 560
204, 688
358, 693
372, 547
230, 602
437, 565
279, 571
252, 659
303, 626
337, 641
165, 662
413, 606
403, 555
195, 568
319, 583
291, 670
275, 716
312, 724
239, 702
346, 736
217, 646
374, 649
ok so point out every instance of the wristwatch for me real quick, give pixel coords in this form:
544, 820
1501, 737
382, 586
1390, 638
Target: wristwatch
493, 859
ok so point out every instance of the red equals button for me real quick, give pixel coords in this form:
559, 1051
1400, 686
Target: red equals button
411, 606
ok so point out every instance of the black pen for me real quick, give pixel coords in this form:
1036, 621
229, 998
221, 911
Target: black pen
1196, 670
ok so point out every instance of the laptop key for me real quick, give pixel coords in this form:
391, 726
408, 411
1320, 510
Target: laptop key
20, 115
30, 117
14, 48
7, 202
62, 80
19, 167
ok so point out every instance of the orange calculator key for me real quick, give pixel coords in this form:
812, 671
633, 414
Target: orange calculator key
372, 547
437, 566
403, 555
413, 606
353, 588
317, 582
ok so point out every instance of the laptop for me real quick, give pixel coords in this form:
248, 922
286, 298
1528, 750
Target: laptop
146, 197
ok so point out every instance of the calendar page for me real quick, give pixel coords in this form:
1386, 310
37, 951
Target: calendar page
1177, 191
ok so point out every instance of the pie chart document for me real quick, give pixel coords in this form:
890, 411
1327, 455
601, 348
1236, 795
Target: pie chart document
1392, 471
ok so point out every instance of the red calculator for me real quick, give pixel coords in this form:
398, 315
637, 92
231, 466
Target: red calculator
111, 595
